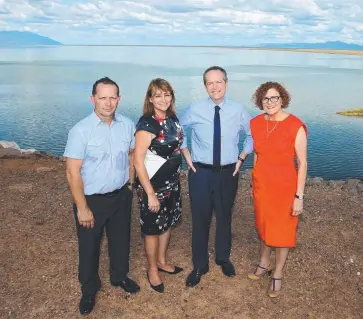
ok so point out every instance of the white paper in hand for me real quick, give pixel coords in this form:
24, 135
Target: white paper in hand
153, 163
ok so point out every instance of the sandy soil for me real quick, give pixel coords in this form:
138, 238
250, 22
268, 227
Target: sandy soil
38, 253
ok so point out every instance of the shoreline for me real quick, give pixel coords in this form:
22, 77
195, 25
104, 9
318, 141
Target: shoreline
352, 112
13, 153
304, 50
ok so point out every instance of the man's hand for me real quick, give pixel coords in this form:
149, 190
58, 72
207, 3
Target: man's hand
130, 186
238, 167
85, 218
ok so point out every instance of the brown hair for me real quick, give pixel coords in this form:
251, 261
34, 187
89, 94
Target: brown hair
163, 85
262, 91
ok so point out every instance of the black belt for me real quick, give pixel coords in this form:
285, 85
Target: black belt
215, 168
113, 193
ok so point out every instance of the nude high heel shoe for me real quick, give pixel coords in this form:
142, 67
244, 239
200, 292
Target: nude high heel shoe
266, 271
275, 293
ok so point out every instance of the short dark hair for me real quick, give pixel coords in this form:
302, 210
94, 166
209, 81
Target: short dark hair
262, 91
215, 68
106, 80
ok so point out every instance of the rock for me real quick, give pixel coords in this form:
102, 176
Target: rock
9, 152
29, 151
48, 155
336, 184
11, 149
6, 144
360, 188
352, 182
316, 181
351, 186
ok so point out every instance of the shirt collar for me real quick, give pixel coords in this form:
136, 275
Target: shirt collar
96, 120
221, 105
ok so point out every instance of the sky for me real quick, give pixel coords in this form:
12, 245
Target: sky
186, 22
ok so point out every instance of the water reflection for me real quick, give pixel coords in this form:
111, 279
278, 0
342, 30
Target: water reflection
44, 91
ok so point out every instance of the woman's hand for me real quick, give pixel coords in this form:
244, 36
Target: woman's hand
297, 207
188, 159
237, 168
191, 166
153, 203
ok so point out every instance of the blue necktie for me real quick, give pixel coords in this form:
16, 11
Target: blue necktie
217, 138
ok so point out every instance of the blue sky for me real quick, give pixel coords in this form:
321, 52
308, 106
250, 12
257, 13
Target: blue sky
186, 22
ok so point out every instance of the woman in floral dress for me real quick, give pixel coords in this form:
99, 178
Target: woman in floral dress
157, 161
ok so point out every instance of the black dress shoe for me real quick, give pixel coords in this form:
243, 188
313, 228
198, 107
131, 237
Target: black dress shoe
128, 285
227, 268
194, 277
159, 288
177, 270
86, 304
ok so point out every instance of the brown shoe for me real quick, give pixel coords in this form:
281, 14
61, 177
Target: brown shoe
274, 293
266, 271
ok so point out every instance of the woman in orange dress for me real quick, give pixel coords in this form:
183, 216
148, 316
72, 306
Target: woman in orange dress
278, 187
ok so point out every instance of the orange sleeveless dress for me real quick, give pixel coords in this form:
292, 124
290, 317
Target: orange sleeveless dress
274, 179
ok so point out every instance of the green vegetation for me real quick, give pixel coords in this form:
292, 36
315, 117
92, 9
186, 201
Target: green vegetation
353, 112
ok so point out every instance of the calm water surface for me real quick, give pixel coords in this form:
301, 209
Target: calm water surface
44, 91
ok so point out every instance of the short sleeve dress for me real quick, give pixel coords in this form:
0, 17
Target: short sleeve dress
274, 178
166, 180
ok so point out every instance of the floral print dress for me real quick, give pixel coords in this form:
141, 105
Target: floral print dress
166, 181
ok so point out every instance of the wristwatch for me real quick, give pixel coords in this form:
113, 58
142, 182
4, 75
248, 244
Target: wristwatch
299, 196
241, 159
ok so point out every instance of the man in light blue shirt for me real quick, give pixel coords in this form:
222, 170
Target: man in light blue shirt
100, 174
216, 124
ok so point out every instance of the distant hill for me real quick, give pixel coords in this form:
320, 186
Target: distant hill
24, 38
334, 45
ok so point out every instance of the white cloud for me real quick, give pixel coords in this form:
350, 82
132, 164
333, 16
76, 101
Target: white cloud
240, 22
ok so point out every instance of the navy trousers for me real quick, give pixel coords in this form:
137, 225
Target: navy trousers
211, 190
113, 214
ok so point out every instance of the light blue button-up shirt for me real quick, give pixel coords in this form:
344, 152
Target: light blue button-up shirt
104, 150
199, 116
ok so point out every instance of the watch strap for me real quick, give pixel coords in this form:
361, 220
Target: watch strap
241, 159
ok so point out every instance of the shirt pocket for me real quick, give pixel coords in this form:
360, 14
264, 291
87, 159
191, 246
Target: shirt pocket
97, 148
121, 152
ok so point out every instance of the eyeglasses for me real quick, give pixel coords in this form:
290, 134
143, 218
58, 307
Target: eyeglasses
272, 99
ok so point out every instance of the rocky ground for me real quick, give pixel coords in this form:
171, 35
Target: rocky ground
38, 253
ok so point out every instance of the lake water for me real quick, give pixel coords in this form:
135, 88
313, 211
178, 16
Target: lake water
44, 91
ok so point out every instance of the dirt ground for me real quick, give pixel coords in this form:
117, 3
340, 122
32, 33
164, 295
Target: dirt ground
38, 254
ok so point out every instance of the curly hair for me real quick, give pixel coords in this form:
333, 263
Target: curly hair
262, 91
163, 85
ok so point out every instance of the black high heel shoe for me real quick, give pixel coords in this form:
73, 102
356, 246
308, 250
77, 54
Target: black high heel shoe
159, 288
177, 270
